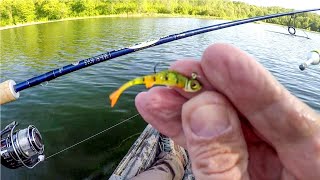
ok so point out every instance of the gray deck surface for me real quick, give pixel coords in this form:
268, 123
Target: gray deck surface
141, 156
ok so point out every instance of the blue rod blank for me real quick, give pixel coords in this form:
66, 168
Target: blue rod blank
116, 53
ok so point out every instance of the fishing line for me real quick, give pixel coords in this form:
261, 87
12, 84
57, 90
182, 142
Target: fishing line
124, 141
305, 34
84, 140
45, 84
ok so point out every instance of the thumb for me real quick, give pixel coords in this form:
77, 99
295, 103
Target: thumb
214, 138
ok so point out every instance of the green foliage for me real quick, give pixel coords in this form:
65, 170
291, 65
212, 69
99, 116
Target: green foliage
51, 9
6, 16
14, 12
21, 11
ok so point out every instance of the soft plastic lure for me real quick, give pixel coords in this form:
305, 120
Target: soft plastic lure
167, 78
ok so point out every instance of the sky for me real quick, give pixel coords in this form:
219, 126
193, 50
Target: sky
292, 4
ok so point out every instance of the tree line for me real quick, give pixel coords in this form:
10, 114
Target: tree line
14, 12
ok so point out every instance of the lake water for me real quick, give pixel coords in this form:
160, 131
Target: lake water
76, 106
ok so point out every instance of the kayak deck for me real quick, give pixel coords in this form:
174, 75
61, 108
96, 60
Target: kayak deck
142, 155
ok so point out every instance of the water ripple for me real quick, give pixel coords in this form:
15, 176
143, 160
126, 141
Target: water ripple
71, 107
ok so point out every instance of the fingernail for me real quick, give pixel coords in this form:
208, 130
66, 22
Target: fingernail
209, 120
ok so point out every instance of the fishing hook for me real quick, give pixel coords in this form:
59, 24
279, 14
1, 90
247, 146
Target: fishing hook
155, 67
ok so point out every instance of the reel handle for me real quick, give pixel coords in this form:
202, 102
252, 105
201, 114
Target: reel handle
7, 92
312, 59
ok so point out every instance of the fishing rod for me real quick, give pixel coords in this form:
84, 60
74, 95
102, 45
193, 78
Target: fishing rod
10, 91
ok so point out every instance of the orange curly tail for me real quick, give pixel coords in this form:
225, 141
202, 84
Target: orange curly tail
114, 97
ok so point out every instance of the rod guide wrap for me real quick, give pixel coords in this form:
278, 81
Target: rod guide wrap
7, 92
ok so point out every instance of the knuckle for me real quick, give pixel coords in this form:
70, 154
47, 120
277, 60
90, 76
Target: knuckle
217, 160
154, 102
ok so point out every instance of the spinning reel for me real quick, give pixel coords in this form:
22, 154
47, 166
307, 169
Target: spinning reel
21, 148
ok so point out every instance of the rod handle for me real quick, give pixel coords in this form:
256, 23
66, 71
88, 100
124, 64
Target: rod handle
7, 92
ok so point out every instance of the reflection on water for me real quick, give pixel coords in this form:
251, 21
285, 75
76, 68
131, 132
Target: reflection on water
75, 106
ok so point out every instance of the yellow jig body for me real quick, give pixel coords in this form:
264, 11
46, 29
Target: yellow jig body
168, 78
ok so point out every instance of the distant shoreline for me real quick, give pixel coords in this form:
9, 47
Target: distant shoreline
136, 15
105, 16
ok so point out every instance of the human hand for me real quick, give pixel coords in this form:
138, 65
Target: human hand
243, 124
